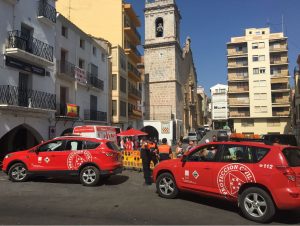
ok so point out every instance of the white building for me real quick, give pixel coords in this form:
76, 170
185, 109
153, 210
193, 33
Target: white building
219, 109
82, 85
27, 82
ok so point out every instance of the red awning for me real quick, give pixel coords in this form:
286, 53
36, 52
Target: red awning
132, 132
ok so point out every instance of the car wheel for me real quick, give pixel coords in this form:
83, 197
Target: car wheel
18, 173
89, 176
257, 205
166, 186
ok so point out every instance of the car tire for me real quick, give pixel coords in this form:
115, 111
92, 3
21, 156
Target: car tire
166, 186
89, 176
257, 205
18, 172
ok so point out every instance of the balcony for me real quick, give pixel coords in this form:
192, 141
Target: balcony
92, 115
235, 101
280, 101
278, 87
29, 49
277, 61
66, 70
132, 32
133, 112
239, 114
281, 48
281, 113
237, 64
233, 53
237, 77
283, 73
28, 98
46, 13
67, 111
94, 81
275, 80
133, 53
134, 92
236, 89
133, 72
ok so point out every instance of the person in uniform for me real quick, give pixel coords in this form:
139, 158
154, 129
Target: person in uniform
153, 151
164, 150
146, 158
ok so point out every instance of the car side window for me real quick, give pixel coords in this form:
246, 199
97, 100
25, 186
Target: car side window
74, 145
258, 153
204, 154
56, 145
91, 145
236, 153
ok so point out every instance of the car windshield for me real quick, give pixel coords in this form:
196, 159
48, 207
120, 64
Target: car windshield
292, 156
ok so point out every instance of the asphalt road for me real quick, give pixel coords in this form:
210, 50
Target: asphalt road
121, 200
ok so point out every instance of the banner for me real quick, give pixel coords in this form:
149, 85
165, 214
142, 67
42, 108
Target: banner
80, 75
72, 110
165, 127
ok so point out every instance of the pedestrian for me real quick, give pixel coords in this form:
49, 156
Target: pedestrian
179, 149
122, 144
191, 145
146, 158
129, 144
164, 150
153, 151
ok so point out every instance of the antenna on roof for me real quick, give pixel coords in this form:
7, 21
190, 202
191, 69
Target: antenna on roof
282, 28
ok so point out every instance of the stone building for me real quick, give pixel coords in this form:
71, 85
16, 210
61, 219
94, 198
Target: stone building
171, 100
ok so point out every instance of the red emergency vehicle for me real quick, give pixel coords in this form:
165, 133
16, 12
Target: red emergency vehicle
259, 177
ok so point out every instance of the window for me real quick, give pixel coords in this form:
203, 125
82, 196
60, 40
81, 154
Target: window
261, 58
112, 146
64, 31
114, 82
261, 45
255, 58
257, 33
81, 63
94, 51
255, 71
260, 109
103, 57
94, 70
275, 71
114, 108
260, 96
123, 62
260, 83
74, 145
292, 156
262, 70
236, 153
255, 45
91, 145
52, 146
123, 108
159, 27
258, 153
204, 154
247, 122
123, 84
81, 43
273, 122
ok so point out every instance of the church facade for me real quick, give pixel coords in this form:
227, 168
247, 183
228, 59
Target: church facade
171, 105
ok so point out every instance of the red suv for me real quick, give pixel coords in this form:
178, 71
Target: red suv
260, 178
90, 158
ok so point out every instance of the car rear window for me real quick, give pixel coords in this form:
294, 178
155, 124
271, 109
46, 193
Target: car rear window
283, 139
91, 145
112, 146
292, 156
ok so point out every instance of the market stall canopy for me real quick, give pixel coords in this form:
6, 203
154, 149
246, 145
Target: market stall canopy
132, 132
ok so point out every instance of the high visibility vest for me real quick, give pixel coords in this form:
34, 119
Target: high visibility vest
152, 146
164, 149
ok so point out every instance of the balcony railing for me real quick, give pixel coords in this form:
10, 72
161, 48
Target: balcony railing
237, 77
279, 61
16, 96
62, 110
278, 48
238, 101
279, 87
133, 111
129, 24
95, 81
276, 100
134, 91
237, 64
16, 39
239, 114
238, 89
234, 52
47, 10
95, 115
280, 74
66, 68
133, 70
281, 113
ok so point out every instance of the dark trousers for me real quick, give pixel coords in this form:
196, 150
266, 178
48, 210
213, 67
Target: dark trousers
146, 158
154, 158
163, 157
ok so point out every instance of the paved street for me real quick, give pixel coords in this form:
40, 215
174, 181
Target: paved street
122, 200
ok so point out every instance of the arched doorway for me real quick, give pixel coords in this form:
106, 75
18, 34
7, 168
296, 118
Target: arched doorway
152, 132
20, 138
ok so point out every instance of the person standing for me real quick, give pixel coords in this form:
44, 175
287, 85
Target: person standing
164, 150
179, 149
153, 151
146, 158
191, 145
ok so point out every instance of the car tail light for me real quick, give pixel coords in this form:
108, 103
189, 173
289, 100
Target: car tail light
289, 173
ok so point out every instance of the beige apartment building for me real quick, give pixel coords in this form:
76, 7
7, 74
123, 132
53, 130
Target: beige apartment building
258, 82
296, 101
117, 22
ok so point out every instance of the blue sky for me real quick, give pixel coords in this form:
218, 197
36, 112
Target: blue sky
211, 23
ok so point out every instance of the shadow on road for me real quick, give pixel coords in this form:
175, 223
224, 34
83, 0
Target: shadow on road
113, 180
281, 217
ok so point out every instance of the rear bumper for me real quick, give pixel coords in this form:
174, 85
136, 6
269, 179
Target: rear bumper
288, 198
112, 172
